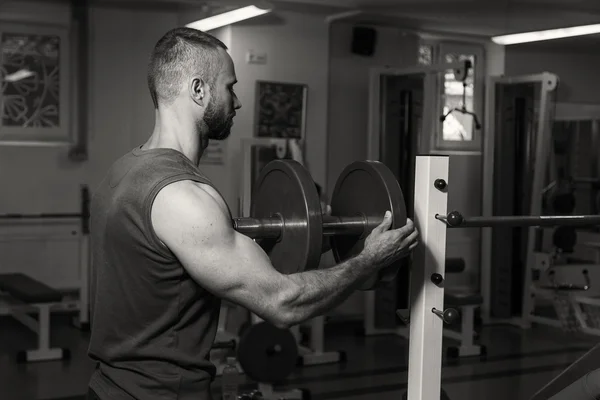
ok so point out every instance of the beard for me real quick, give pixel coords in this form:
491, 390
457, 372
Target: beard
217, 122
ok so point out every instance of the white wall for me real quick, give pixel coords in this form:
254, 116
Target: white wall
122, 114
37, 178
348, 82
42, 179
348, 125
349, 90
297, 51
577, 71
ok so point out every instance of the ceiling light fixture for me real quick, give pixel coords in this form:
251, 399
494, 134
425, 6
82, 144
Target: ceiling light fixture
227, 18
549, 34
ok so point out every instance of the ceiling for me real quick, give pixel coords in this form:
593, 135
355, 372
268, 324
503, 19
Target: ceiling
465, 17
484, 18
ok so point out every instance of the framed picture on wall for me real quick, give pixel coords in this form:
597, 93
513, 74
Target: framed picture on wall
280, 110
34, 85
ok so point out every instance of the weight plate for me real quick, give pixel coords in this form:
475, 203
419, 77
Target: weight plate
285, 188
367, 189
563, 203
267, 354
565, 238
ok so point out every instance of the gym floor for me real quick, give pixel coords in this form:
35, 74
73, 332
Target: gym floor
518, 364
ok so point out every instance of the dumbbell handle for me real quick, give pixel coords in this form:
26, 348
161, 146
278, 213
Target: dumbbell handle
258, 228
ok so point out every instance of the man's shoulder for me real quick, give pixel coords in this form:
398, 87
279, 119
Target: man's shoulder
189, 192
182, 209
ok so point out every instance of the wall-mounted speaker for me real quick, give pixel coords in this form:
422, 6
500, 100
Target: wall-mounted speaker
364, 40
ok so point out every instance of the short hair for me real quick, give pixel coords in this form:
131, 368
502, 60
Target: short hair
180, 53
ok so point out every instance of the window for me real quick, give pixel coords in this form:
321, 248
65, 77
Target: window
34, 95
30, 65
456, 95
461, 102
425, 54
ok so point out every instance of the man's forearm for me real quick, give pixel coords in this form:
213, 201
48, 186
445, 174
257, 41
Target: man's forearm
320, 290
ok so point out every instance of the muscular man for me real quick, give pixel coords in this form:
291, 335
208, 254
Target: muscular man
164, 251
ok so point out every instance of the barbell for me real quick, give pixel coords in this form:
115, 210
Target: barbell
456, 220
286, 219
287, 222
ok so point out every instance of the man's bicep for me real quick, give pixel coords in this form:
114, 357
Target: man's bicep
200, 234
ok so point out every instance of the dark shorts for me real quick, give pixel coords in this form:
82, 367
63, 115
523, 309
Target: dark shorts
91, 395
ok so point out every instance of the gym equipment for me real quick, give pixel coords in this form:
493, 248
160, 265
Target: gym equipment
443, 395
366, 189
314, 353
286, 217
42, 297
516, 154
427, 279
287, 222
456, 220
572, 169
83, 215
564, 238
27, 295
427, 289
253, 395
583, 366
561, 199
225, 341
466, 302
427, 272
463, 303
229, 344
268, 355
576, 311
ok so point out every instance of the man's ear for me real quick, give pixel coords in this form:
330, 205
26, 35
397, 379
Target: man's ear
199, 91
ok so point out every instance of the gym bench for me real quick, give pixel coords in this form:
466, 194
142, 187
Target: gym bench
35, 294
466, 302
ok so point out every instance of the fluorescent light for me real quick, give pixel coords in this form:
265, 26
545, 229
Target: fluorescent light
547, 34
227, 18
19, 75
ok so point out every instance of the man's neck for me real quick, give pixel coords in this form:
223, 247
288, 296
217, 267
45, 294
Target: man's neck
176, 133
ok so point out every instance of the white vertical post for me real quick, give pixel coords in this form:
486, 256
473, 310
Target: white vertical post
543, 146
44, 327
487, 198
426, 328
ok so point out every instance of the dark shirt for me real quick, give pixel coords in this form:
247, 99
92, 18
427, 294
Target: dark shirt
152, 325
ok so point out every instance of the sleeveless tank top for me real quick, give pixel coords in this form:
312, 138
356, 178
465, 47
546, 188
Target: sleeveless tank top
152, 325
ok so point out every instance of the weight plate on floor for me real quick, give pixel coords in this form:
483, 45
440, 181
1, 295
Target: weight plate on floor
285, 189
367, 189
267, 354
565, 238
